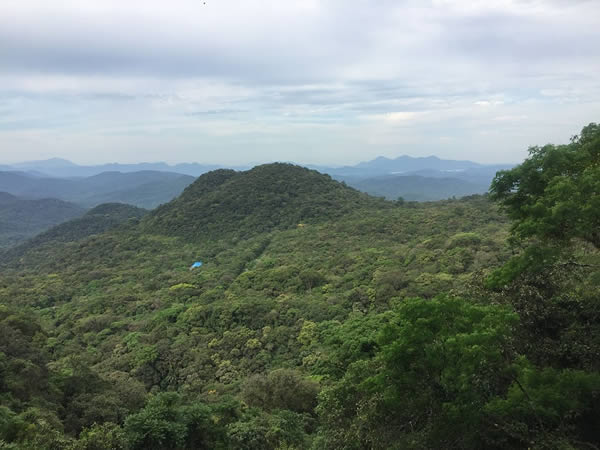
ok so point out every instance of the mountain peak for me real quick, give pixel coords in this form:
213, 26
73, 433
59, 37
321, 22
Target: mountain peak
401, 164
51, 163
225, 203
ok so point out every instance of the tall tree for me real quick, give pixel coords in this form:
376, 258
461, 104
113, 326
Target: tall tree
553, 197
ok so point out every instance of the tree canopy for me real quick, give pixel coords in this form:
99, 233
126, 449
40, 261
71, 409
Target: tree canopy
321, 318
553, 198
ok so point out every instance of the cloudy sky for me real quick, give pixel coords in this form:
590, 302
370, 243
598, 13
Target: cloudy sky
329, 82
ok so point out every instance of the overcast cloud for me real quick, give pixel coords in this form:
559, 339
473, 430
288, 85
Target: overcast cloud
331, 82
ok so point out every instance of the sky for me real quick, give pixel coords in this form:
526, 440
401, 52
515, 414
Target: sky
315, 82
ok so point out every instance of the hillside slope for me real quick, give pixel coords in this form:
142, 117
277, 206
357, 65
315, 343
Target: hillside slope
22, 218
124, 310
126, 321
225, 204
96, 221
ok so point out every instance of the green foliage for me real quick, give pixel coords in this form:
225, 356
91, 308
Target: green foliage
109, 341
464, 240
534, 260
259, 431
281, 389
124, 315
97, 220
38, 429
438, 363
166, 423
547, 408
11, 425
553, 198
105, 436
274, 196
559, 311
445, 374
23, 359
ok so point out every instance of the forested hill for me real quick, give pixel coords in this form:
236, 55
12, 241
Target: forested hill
22, 218
224, 203
321, 318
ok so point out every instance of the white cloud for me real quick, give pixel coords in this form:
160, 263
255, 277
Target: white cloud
332, 80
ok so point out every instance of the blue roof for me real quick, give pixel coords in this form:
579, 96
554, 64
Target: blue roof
197, 264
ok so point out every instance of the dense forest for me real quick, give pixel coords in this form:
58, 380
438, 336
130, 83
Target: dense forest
321, 318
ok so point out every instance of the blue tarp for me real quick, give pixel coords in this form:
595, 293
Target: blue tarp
197, 264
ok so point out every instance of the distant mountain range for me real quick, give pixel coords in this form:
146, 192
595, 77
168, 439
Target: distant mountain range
416, 187
147, 185
145, 189
419, 179
62, 168
401, 165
